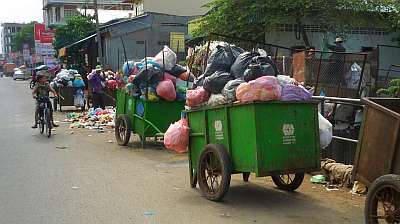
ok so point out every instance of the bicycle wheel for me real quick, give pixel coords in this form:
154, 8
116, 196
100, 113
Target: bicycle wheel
41, 124
47, 121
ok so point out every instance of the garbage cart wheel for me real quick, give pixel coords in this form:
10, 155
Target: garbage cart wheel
246, 176
288, 182
383, 201
214, 172
123, 129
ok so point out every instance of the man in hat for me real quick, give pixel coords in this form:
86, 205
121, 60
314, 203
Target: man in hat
337, 61
96, 79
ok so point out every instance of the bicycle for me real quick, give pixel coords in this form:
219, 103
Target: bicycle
44, 119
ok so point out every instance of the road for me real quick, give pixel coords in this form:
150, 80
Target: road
92, 181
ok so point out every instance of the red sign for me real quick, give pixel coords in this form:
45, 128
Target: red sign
42, 34
39, 28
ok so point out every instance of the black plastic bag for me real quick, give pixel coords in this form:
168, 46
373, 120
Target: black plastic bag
222, 58
199, 81
152, 75
216, 82
241, 63
229, 90
260, 66
177, 70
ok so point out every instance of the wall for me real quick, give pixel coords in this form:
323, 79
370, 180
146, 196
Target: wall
176, 7
155, 29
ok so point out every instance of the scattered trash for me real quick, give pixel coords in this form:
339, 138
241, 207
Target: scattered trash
337, 173
97, 119
331, 188
110, 141
149, 213
71, 132
61, 147
225, 215
89, 135
318, 179
358, 188
75, 188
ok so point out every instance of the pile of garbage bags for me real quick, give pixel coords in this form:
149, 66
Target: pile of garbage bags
233, 74
92, 119
155, 78
68, 78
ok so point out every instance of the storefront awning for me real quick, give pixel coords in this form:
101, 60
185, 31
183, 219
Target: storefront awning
81, 40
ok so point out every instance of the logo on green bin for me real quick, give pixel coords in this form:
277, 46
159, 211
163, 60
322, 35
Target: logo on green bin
219, 133
288, 137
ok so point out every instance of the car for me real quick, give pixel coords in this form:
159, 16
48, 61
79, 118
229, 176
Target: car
19, 74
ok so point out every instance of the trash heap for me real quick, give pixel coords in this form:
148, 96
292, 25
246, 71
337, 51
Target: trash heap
98, 119
233, 74
155, 78
68, 78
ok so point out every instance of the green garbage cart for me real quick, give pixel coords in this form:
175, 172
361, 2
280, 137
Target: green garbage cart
277, 139
144, 118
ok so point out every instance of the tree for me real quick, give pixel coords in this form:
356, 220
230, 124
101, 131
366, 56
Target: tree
77, 28
252, 19
25, 36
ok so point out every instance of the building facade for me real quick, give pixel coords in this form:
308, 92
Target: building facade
57, 12
172, 7
8, 31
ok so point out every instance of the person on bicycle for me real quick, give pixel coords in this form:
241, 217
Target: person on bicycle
41, 91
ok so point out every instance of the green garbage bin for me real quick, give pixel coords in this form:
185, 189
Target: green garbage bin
278, 139
144, 118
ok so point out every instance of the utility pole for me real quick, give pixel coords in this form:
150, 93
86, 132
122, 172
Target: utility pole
96, 14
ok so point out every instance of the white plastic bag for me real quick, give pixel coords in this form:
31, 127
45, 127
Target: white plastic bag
170, 58
325, 131
79, 99
216, 99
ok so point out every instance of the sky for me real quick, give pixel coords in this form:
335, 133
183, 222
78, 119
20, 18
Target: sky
25, 11
21, 11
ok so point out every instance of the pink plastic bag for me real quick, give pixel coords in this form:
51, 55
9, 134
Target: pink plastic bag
177, 136
265, 88
197, 96
168, 76
166, 90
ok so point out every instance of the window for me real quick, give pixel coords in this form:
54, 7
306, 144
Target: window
18, 29
69, 13
13, 29
58, 14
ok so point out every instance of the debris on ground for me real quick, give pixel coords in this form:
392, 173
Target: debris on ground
337, 173
318, 179
149, 213
97, 119
358, 188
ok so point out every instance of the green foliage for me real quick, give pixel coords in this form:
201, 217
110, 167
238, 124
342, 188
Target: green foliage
77, 28
25, 36
392, 91
251, 19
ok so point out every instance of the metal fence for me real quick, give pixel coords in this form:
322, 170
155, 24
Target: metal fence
346, 127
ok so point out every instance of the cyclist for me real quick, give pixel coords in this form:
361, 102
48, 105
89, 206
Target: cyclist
41, 90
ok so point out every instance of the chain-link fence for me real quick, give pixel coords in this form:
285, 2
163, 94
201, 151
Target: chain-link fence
332, 74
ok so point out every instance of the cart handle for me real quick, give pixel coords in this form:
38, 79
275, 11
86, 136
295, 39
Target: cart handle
149, 123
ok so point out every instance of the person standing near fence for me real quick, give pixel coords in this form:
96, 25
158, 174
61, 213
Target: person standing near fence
336, 62
96, 80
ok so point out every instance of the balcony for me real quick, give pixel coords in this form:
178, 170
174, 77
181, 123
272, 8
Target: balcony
103, 4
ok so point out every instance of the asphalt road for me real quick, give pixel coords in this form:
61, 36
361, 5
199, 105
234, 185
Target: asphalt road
92, 181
